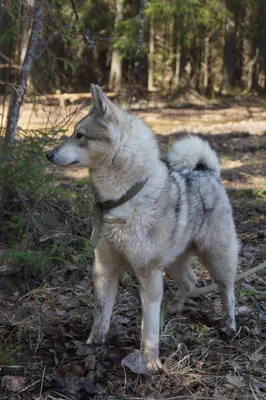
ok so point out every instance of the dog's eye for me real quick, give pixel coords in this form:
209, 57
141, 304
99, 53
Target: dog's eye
79, 135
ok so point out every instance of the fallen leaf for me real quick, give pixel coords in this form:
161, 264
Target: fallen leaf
243, 311
14, 383
257, 357
237, 381
120, 319
70, 386
87, 385
136, 362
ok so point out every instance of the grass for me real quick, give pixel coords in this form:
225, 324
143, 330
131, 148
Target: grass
8, 347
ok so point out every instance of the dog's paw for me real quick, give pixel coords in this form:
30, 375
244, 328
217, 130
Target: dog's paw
227, 330
95, 341
154, 365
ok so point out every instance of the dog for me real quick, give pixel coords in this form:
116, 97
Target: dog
177, 208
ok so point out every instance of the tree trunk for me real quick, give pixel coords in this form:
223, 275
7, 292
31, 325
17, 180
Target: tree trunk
206, 64
177, 69
115, 77
250, 50
230, 51
151, 84
230, 54
262, 38
2, 60
26, 27
18, 95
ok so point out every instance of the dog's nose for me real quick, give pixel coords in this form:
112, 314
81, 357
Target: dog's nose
49, 155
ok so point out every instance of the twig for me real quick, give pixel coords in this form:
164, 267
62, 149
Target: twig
14, 323
46, 44
3, 82
43, 374
78, 220
86, 38
21, 391
39, 151
6, 57
51, 37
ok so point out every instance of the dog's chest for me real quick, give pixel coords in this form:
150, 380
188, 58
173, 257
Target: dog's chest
126, 229
115, 229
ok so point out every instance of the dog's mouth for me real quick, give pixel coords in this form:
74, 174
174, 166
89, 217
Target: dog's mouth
72, 163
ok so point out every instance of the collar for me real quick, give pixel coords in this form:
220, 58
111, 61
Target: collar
99, 209
109, 204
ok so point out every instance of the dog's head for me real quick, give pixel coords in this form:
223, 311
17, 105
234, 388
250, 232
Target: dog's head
95, 137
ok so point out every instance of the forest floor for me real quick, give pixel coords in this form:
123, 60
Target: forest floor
43, 329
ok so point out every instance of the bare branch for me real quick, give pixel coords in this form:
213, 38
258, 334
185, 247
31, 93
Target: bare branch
5, 57
84, 32
46, 44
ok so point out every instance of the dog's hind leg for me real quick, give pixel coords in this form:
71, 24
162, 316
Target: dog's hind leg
105, 282
222, 265
182, 273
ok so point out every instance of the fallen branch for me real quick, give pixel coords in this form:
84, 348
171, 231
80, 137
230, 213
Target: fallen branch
210, 288
62, 97
206, 289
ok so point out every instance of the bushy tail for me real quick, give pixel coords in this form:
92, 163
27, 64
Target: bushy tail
194, 153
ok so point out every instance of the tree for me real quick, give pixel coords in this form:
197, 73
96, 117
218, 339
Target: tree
115, 77
151, 71
25, 70
250, 44
229, 78
27, 6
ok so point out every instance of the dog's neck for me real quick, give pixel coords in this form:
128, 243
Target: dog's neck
110, 185
134, 159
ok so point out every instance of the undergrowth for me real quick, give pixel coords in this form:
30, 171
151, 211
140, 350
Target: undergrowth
45, 222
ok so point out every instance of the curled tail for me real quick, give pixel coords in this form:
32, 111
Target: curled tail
194, 153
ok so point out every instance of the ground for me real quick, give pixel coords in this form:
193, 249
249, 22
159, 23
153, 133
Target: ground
43, 329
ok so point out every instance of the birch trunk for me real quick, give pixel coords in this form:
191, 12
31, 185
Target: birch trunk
24, 74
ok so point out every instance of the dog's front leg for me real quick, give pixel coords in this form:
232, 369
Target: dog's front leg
151, 291
105, 282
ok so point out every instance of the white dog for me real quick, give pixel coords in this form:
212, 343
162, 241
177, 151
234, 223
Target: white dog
152, 215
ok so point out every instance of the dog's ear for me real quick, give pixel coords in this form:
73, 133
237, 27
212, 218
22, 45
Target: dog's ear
100, 101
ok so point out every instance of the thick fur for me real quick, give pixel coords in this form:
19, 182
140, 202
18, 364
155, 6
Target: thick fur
183, 210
